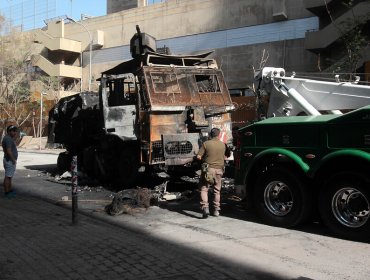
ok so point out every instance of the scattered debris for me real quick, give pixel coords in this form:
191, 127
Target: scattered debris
190, 179
228, 184
65, 175
162, 188
171, 196
163, 175
127, 200
160, 193
131, 201
228, 187
86, 189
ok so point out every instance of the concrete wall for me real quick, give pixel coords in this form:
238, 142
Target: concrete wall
184, 17
179, 18
238, 63
114, 6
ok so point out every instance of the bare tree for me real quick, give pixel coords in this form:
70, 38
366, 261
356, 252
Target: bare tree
51, 85
14, 78
354, 37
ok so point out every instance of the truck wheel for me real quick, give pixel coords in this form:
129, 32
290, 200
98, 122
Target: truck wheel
64, 162
344, 205
128, 168
282, 198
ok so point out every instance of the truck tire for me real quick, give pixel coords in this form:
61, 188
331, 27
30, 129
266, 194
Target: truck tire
344, 205
64, 162
128, 168
282, 198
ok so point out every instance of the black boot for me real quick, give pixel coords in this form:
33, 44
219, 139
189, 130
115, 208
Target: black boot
205, 212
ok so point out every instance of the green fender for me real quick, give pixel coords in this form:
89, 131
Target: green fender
347, 152
293, 156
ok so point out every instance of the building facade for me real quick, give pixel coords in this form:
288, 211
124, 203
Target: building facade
244, 34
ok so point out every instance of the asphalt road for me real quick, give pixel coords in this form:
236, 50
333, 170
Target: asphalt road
237, 237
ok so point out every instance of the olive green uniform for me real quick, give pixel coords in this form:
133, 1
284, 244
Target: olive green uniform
213, 153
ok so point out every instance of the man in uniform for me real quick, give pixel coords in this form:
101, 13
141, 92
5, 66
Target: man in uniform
212, 153
10, 159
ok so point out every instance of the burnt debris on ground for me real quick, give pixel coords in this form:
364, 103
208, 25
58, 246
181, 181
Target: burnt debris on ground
157, 188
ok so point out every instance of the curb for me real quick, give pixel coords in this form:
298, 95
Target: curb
43, 151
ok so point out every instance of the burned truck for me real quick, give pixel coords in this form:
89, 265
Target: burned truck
152, 111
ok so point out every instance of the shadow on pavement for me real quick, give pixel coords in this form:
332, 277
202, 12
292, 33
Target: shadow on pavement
231, 207
44, 229
236, 209
50, 168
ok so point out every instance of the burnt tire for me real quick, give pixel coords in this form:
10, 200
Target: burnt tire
128, 168
98, 167
64, 162
282, 198
344, 205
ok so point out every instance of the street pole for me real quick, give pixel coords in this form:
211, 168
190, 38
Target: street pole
41, 114
90, 47
41, 94
81, 72
74, 189
90, 52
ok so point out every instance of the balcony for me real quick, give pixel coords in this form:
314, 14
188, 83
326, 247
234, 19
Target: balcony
54, 44
57, 70
325, 37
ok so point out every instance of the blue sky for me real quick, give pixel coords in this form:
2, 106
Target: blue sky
78, 7
30, 14
71, 7
22, 12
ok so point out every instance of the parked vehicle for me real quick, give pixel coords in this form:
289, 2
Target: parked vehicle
154, 110
298, 167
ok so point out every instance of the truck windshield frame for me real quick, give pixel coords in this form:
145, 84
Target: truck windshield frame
121, 91
165, 82
207, 83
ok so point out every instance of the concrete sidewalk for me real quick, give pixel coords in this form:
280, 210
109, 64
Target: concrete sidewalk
41, 151
37, 241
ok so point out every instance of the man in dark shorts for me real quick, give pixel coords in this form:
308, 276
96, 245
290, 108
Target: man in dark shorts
10, 159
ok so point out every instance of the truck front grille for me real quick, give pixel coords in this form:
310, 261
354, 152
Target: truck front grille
178, 147
157, 152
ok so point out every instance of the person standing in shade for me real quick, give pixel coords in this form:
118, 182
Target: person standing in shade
10, 159
212, 153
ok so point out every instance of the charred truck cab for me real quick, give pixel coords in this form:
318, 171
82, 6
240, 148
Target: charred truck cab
153, 110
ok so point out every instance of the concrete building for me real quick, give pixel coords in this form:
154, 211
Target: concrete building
245, 34
338, 36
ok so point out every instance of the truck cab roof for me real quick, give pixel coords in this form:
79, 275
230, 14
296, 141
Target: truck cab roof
157, 59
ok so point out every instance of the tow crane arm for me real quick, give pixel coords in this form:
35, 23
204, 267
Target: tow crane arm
291, 96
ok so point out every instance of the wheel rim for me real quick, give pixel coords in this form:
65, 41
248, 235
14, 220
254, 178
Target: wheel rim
278, 198
350, 207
